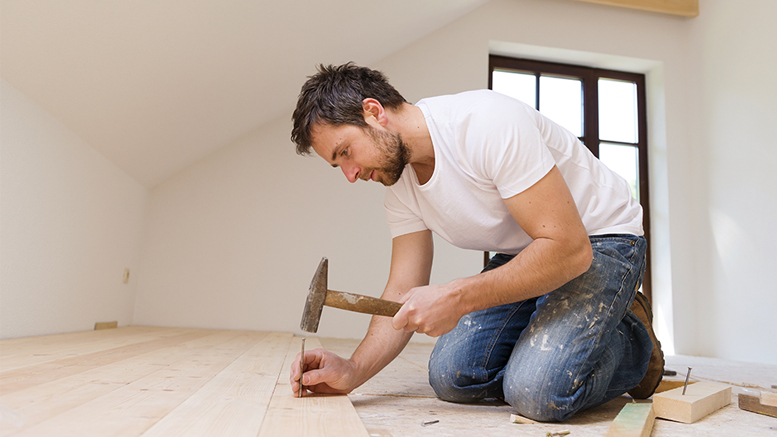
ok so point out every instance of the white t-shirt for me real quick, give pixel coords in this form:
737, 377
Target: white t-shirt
489, 147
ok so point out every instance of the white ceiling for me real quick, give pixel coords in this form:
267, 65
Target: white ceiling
155, 85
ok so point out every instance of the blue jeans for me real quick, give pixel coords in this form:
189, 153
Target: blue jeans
551, 356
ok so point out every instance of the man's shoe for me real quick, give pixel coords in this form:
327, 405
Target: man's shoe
649, 384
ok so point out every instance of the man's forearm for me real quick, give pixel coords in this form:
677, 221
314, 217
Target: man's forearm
378, 348
539, 269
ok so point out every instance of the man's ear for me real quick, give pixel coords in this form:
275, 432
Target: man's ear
373, 108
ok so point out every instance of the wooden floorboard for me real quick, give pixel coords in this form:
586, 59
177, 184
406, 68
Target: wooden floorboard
161, 382
235, 401
133, 408
23, 352
178, 381
28, 376
398, 401
46, 400
311, 415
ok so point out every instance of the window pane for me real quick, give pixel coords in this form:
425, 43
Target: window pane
561, 100
623, 160
618, 111
521, 86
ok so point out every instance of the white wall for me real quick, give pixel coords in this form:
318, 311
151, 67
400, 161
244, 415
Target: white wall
734, 139
711, 111
233, 241
70, 222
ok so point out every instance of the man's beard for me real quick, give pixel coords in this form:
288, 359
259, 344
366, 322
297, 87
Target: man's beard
395, 154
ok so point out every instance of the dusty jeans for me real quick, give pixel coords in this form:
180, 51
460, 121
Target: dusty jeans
552, 356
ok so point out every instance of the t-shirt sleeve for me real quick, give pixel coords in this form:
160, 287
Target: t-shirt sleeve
509, 149
402, 212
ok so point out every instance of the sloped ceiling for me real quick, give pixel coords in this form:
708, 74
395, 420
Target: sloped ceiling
155, 85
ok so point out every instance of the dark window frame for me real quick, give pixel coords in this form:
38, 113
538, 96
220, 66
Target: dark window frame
590, 83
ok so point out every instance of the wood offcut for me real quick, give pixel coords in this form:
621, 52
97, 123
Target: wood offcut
634, 420
755, 405
699, 400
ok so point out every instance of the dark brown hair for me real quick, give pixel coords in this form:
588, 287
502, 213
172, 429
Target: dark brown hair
334, 96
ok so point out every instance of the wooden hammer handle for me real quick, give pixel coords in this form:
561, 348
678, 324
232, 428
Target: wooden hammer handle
361, 304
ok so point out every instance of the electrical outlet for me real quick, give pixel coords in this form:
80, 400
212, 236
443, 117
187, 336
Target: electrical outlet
125, 278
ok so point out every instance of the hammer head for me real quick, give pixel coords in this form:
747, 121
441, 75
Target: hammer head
316, 297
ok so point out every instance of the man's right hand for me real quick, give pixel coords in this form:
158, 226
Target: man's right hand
325, 372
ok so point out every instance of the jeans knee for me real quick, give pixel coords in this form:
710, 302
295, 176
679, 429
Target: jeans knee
443, 385
456, 381
443, 379
541, 400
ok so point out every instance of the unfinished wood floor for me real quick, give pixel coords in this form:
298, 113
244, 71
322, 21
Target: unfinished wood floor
399, 400
161, 382
168, 381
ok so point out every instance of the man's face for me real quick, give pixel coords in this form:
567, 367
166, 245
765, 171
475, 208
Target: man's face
369, 153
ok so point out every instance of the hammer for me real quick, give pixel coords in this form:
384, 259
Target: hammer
319, 295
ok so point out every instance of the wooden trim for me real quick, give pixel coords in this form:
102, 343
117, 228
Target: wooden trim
105, 325
685, 8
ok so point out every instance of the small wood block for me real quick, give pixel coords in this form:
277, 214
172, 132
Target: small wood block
105, 325
634, 420
769, 398
699, 400
753, 404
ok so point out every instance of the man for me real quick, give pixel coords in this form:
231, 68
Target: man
547, 325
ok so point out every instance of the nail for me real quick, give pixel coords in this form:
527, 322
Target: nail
688, 375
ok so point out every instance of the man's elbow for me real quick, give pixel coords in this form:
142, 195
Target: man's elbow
583, 257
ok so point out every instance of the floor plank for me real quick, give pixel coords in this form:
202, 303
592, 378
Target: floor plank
398, 401
235, 401
133, 408
25, 377
312, 415
43, 401
22, 352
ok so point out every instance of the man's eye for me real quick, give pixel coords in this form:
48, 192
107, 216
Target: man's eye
344, 152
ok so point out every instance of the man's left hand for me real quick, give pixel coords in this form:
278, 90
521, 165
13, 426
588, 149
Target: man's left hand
432, 310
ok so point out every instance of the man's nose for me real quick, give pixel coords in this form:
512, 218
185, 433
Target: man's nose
351, 172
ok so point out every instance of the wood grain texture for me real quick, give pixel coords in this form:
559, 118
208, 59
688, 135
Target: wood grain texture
686, 8
25, 377
133, 407
159, 382
700, 399
46, 400
23, 352
634, 420
234, 402
312, 415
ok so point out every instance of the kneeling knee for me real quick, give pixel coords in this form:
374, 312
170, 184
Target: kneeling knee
445, 384
538, 403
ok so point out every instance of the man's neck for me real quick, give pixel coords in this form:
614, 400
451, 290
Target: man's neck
410, 123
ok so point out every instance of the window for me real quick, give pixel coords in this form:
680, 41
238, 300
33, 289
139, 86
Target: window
604, 108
